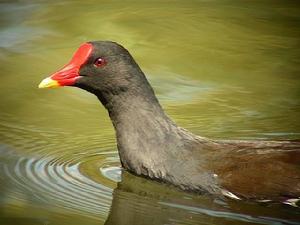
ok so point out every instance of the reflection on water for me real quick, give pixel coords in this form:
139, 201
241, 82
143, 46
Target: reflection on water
74, 186
223, 69
60, 182
171, 207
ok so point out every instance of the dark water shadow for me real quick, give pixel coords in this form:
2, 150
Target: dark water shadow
137, 201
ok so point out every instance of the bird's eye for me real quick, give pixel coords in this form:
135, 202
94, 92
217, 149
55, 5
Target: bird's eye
99, 62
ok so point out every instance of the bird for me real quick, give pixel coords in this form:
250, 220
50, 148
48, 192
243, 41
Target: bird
151, 145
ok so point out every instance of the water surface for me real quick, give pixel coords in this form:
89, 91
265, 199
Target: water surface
222, 69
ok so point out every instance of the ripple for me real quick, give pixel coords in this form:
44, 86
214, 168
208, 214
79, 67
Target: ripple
230, 215
63, 183
55, 169
186, 89
112, 173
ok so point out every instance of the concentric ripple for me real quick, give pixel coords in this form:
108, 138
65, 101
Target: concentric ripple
69, 184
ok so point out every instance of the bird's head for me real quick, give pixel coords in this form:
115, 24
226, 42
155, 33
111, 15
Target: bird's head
100, 67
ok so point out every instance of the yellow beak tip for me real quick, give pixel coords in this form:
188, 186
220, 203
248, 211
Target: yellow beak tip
48, 83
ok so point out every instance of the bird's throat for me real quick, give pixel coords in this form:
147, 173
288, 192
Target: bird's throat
141, 127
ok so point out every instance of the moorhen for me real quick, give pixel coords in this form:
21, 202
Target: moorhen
150, 144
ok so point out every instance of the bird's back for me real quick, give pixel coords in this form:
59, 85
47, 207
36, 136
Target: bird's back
262, 170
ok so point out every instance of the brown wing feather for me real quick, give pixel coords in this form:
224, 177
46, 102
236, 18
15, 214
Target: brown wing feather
261, 170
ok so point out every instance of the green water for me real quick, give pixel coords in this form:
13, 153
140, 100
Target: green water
222, 69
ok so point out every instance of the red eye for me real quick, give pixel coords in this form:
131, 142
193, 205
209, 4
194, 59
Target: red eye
99, 62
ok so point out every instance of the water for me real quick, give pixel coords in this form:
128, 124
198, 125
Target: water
222, 69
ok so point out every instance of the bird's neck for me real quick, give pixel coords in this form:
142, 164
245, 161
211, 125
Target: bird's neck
142, 128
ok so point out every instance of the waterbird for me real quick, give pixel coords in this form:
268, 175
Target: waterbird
151, 145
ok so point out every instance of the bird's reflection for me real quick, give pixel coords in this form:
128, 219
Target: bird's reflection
138, 201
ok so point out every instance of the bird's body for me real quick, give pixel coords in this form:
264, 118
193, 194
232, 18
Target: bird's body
150, 144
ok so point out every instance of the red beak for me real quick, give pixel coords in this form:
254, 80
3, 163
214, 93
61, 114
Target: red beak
68, 75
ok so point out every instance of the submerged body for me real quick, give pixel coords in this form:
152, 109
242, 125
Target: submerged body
152, 145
